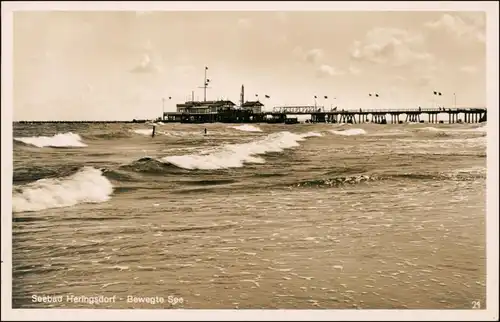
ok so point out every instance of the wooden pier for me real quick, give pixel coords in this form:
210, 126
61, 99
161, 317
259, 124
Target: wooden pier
320, 115
79, 122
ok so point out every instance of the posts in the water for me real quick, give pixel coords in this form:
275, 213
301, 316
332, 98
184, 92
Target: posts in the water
205, 131
154, 129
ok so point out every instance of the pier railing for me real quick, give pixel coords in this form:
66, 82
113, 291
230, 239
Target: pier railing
298, 109
321, 109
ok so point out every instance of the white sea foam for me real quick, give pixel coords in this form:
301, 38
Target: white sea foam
481, 129
349, 132
236, 155
431, 129
85, 186
181, 133
59, 140
143, 131
247, 128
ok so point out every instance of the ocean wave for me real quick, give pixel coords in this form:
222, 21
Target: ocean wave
33, 173
246, 128
172, 133
59, 140
117, 175
480, 129
456, 175
151, 165
85, 186
471, 174
147, 132
107, 135
336, 181
236, 155
349, 132
181, 133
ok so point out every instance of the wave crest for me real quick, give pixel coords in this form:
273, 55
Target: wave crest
148, 132
85, 186
151, 165
236, 155
247, 128
107, 135
59, 140
349, 132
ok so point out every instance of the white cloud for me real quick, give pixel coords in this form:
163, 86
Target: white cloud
471, 30
314, 58
390, 46
145, 66
468, 69
327, 70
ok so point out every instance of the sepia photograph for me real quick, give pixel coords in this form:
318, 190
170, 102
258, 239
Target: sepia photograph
268, 158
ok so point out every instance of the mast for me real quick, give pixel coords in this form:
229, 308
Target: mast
205, 85
242, 95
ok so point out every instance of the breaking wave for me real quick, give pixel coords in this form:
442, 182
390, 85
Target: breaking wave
349, 132
236, 155
143, 131
247, 128
480, 129
59, 140
85, 186
181, 133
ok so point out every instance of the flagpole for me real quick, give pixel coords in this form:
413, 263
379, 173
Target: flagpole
163, 108
455, 100
205, 86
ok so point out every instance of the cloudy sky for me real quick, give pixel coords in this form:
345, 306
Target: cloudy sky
119, 65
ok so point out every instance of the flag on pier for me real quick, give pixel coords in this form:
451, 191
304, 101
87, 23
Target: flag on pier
206, 67
326, 97
439, 93
435, 93
376, 95
315, 96
267, 96
170, 97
